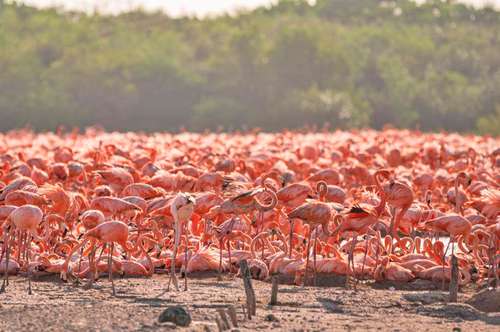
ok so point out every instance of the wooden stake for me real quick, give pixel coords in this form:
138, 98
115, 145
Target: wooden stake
219, 324
493, 267
244, 310
250, 293
454, 279
274, 291
232, 314
223, 318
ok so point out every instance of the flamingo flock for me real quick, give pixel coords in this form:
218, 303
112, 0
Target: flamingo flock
380, 205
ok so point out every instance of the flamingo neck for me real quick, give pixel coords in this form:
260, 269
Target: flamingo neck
457, 208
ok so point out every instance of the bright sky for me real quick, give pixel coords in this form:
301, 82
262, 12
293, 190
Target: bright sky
175, 7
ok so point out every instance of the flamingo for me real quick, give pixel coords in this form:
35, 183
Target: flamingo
392, 271
397, 194
182, 208
109, 232
315, 214
25, 219
457, 195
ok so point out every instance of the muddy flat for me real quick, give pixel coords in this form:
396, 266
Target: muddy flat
58, 306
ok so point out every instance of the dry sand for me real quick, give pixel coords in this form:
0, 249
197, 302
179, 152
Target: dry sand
58, 306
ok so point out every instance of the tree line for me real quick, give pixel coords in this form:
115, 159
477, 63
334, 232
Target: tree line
339, 63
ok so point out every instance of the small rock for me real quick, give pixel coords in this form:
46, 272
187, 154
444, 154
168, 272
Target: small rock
451, 310
392, 288
425, 298
487, 300
168, 326
422, 285
457, 329
271, 318
465, 311
177, 315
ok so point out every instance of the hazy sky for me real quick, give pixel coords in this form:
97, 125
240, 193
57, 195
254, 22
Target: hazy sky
174, 7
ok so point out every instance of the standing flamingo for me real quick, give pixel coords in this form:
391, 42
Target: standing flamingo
313, 213
107, 232
25, 219
457, 195
181, 208
397, 194
358, 220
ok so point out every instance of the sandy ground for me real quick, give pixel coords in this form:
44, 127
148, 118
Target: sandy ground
58, 306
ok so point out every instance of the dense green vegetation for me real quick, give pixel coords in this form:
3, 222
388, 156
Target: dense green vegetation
348, 63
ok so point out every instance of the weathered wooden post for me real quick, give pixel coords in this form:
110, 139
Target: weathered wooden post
274, 291
223, 318
220, 326
250, 293
454, 279
232, 314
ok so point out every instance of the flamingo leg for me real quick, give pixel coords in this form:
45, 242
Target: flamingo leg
307, 257
4, 246
102, 251
19, 245
397, 222
261, 220
494, 265
28, 245
228, 243
364, 257
186, 256
21, 253
92, 266
444, 261
314, 256
290, 240
110, 269
221, 243
262, 252
173, 277
393, 221
350, 262
452, 240
5, 282
80, 263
